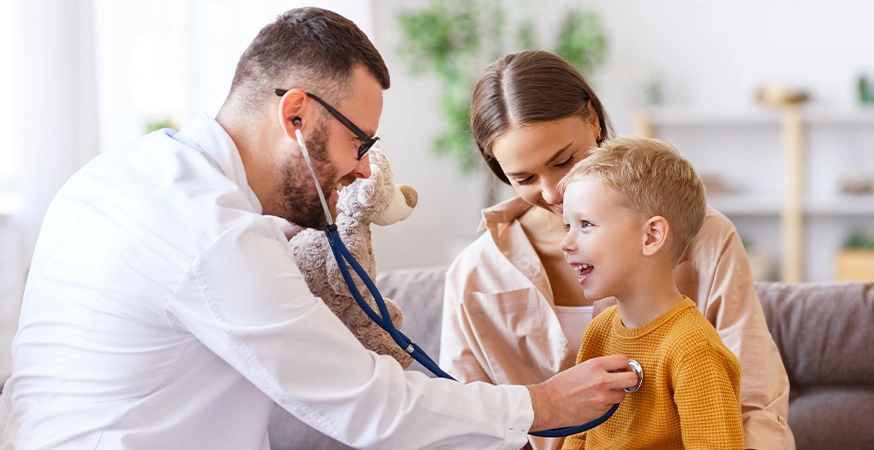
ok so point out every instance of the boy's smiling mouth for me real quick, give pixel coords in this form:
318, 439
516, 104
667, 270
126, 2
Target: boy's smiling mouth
584, 270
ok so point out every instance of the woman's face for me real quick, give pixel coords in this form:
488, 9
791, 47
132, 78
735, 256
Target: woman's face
536, 157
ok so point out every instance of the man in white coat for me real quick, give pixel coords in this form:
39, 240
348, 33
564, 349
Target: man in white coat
163, 309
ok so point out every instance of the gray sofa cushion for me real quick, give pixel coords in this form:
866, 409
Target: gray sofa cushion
822, 329
825, 333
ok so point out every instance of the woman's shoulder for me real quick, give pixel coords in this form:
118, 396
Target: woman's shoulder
716, 224
717, 233
483, 264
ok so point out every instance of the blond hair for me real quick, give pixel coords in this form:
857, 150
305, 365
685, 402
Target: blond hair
651, 179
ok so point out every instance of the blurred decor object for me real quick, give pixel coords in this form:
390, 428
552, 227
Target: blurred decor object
654, 91
865, 90
856, 261
857, 184
760, 261
159, 124
777, 95
454, 40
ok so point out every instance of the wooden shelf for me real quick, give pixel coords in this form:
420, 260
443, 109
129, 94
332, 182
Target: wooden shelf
791, 207
845, 205
690, 117
678, 116
745, 204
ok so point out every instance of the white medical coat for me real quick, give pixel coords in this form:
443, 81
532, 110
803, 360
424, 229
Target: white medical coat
164, 311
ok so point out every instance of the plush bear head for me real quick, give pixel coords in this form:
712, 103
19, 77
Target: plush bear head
368, 200
377, 199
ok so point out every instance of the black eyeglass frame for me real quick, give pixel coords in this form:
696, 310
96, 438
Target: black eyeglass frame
366, 141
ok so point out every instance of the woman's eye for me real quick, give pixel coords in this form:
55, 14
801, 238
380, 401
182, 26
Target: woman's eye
523, 181
566, 162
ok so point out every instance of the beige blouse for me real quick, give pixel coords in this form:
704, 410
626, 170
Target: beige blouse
499, 325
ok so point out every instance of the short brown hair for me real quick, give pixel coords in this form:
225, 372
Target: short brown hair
651, 179
526, 88
314, 48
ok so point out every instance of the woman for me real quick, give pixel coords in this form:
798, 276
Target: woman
514, 311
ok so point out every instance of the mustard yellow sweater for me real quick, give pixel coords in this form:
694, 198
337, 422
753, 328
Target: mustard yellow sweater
690, 393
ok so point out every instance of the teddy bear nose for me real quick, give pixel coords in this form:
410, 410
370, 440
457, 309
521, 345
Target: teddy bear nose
410, 195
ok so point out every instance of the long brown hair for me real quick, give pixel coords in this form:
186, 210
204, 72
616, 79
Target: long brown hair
526, 88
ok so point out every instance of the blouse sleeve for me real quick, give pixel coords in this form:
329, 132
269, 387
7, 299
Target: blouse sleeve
458, 342
715, 273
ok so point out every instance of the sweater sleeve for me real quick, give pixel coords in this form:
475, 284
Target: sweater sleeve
706, 387
575, 442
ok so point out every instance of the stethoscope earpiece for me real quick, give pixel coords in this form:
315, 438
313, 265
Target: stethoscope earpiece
296, 122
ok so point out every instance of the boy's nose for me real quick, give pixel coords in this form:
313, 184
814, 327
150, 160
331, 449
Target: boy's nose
567, 244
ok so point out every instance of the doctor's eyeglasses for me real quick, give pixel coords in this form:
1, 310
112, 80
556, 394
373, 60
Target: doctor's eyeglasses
366, 141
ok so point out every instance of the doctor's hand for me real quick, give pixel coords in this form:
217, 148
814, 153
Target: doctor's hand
580, 394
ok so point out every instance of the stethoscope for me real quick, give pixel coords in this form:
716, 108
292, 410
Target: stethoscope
341, 254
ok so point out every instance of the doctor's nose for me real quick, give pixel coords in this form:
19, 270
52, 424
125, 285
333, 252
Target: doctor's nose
362, 169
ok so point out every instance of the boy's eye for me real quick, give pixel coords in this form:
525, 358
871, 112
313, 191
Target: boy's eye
567, 227
586, 224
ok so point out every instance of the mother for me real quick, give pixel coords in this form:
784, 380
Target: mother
514, 311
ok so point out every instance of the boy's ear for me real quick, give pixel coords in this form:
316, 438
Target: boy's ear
656, 235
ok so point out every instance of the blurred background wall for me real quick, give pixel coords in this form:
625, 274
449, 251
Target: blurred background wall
80, 77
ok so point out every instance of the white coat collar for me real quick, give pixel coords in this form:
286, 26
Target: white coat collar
206, 134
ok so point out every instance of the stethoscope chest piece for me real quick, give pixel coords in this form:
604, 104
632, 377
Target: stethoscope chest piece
638, 370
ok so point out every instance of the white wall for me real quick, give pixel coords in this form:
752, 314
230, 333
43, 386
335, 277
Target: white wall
171, 58
711, 56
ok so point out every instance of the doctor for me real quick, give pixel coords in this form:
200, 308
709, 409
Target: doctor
164, 310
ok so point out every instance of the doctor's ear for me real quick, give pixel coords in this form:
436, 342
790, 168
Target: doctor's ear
655, 235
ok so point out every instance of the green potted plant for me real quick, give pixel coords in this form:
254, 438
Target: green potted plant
856, 260
453, 40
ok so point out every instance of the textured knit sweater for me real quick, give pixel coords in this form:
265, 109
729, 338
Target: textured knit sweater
690, 393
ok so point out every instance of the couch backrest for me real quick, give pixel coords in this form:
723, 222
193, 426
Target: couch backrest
825, 331
419, 293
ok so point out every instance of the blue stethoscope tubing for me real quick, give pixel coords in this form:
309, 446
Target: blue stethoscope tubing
343, 256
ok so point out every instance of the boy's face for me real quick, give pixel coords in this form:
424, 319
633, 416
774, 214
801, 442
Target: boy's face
604, 240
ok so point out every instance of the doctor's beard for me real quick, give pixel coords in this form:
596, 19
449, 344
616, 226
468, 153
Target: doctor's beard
302, 206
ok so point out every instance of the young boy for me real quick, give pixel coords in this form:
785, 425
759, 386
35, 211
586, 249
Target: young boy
631, 208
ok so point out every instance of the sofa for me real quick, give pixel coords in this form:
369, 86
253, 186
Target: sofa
825, 333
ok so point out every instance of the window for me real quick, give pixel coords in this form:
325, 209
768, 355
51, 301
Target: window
8, 128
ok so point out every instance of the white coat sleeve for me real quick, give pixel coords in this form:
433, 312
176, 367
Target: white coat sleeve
245, 299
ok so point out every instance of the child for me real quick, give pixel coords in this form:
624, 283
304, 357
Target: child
630, 209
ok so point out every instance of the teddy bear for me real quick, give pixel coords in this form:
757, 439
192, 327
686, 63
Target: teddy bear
376, 200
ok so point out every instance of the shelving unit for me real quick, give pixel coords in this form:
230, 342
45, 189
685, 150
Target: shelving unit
782, 166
